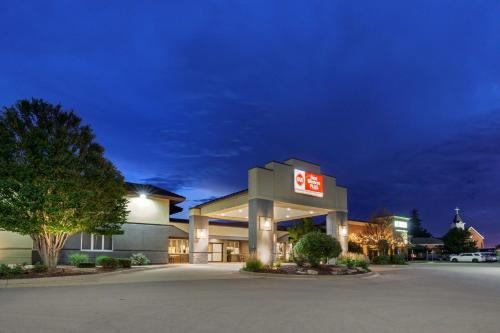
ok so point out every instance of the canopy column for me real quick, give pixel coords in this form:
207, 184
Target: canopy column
336, 226
261, 229
198, 237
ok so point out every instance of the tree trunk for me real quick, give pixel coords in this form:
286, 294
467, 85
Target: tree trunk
48, 246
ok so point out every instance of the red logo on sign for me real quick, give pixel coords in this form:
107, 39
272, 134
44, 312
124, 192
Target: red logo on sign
299, 180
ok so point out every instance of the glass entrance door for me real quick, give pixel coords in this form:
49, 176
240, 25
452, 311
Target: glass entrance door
215, 252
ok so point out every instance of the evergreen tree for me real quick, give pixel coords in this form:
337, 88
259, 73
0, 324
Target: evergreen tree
415, 227
458, 240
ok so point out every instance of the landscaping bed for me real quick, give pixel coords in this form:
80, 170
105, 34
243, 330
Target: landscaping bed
29, 273
321, 270
81, 265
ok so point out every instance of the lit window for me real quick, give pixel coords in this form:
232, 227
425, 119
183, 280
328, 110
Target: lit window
93, 242
234, 246
178, 246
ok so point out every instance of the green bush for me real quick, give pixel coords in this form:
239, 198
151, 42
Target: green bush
381, 260
299, 259
353, 260
253, 264
99, 259
124, 262
40, 268
76, 258
109, 262
8, 272
139, 259
398, 259
317, 246
86, 265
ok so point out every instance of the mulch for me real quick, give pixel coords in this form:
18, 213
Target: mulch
67, 271
322, 270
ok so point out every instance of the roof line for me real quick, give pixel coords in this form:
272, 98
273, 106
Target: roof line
220, 198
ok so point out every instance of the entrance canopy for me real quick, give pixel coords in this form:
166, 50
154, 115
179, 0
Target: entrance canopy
234, 207
276, 192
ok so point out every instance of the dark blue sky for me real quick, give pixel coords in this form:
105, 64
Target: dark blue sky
400, 101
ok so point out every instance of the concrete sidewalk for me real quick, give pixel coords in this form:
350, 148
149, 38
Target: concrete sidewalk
149, 273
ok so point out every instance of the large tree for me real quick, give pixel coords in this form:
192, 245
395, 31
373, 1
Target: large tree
54, 178
416, 229
301, 228
458, 240
380, 232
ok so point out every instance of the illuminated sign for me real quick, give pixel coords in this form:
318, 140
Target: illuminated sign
308, 183
401, 224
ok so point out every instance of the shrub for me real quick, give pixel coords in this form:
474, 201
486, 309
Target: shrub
124, 262
299, 259
76, 258
139, 259
316, 246
381, 260
8, 272
253, 264
109, 262
353, 260
40, 268
99, 259
86, 265
398, 259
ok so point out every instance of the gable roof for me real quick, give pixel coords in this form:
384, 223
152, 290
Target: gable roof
477, 232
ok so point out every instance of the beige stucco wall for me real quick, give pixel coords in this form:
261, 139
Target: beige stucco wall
15, 248
149, 210
182, 226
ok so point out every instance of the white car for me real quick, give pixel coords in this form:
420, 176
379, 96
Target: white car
490, 256
468, 257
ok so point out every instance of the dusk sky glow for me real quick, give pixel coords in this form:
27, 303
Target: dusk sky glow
400, 102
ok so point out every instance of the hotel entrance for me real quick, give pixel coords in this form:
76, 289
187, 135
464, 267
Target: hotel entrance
215, 252
276, 192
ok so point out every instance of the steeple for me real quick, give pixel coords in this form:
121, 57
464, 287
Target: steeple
457, 220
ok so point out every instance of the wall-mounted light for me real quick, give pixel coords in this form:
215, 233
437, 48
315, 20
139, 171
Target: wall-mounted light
265, 223
143, 195
343, 230
201, 233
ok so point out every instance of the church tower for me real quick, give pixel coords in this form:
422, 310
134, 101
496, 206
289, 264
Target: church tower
457, 221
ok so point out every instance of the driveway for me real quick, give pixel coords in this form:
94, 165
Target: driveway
216, 298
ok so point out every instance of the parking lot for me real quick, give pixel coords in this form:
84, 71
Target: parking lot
433, 297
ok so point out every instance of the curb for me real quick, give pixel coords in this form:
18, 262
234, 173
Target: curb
307, 276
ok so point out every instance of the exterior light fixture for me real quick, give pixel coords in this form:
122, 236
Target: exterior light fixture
201, 233
288, 209
240, 210
143, 195
311, 212
287, 216
222, 214
265, 223
343, 230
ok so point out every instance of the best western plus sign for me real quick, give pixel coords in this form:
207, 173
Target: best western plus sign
308, 183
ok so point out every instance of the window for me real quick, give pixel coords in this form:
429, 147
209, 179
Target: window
234, 246
178, 246
93, 242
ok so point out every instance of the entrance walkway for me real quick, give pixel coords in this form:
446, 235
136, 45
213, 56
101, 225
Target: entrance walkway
183, 272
